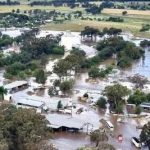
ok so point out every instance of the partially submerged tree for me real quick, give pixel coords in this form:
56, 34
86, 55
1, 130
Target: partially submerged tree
3, 91
66, 86
99, 136
115, 95
137, 98
40, 76
138, 80
59, 105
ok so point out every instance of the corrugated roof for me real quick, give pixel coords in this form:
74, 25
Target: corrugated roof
64, 120
147, 105
15, 84
30, 102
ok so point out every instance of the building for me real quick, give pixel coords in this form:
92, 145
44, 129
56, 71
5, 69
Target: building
64, 122
30, 103
145, 106
16, 86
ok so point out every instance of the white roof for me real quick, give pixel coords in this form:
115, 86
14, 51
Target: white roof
64, 120
15, 84
30, 102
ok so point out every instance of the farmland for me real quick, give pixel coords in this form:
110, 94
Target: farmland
133, 21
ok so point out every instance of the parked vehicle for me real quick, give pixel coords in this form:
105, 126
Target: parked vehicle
110, 125
136, 142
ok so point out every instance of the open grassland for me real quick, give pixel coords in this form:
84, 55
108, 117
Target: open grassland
28, 7
133, 21
78, 25
130, 12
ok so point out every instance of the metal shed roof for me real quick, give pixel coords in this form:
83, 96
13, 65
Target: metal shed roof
15, 84
64, 120
146, 105
30, 102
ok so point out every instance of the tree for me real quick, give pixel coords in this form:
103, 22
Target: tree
21, 128
115, 95
145, 134
61, 68
98, 136
18, 11
40, 76
106, 146
66, 86
2, 92
94, 72
59, 105
137, 98
138, 80
101, 103
124, 13
138, 110
44, 60
13, 11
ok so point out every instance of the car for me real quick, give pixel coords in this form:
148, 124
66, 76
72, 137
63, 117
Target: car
136, 142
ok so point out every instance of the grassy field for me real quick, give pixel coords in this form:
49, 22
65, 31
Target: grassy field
130, 12
79, 25
132, 21
27, 7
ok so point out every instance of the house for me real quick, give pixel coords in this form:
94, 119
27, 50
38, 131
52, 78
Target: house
30, 103
16, 86
145, 106
64, 122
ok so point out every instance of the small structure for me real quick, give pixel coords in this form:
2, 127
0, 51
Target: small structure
30, 103
16, 86
22, 99
64, 122
145, 106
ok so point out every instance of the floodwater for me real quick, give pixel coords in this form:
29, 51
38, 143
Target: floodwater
71, 141
141, 66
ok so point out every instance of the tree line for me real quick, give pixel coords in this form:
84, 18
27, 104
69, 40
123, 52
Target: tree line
32, 49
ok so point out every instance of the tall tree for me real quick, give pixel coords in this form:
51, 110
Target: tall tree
99, 136
138, 80
115, 95
40, 76
2, 92
21, 129
145, 134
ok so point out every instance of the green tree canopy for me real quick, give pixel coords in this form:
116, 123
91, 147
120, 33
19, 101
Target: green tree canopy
40, 76
2, 92
20, 128
115, 94
145, 134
